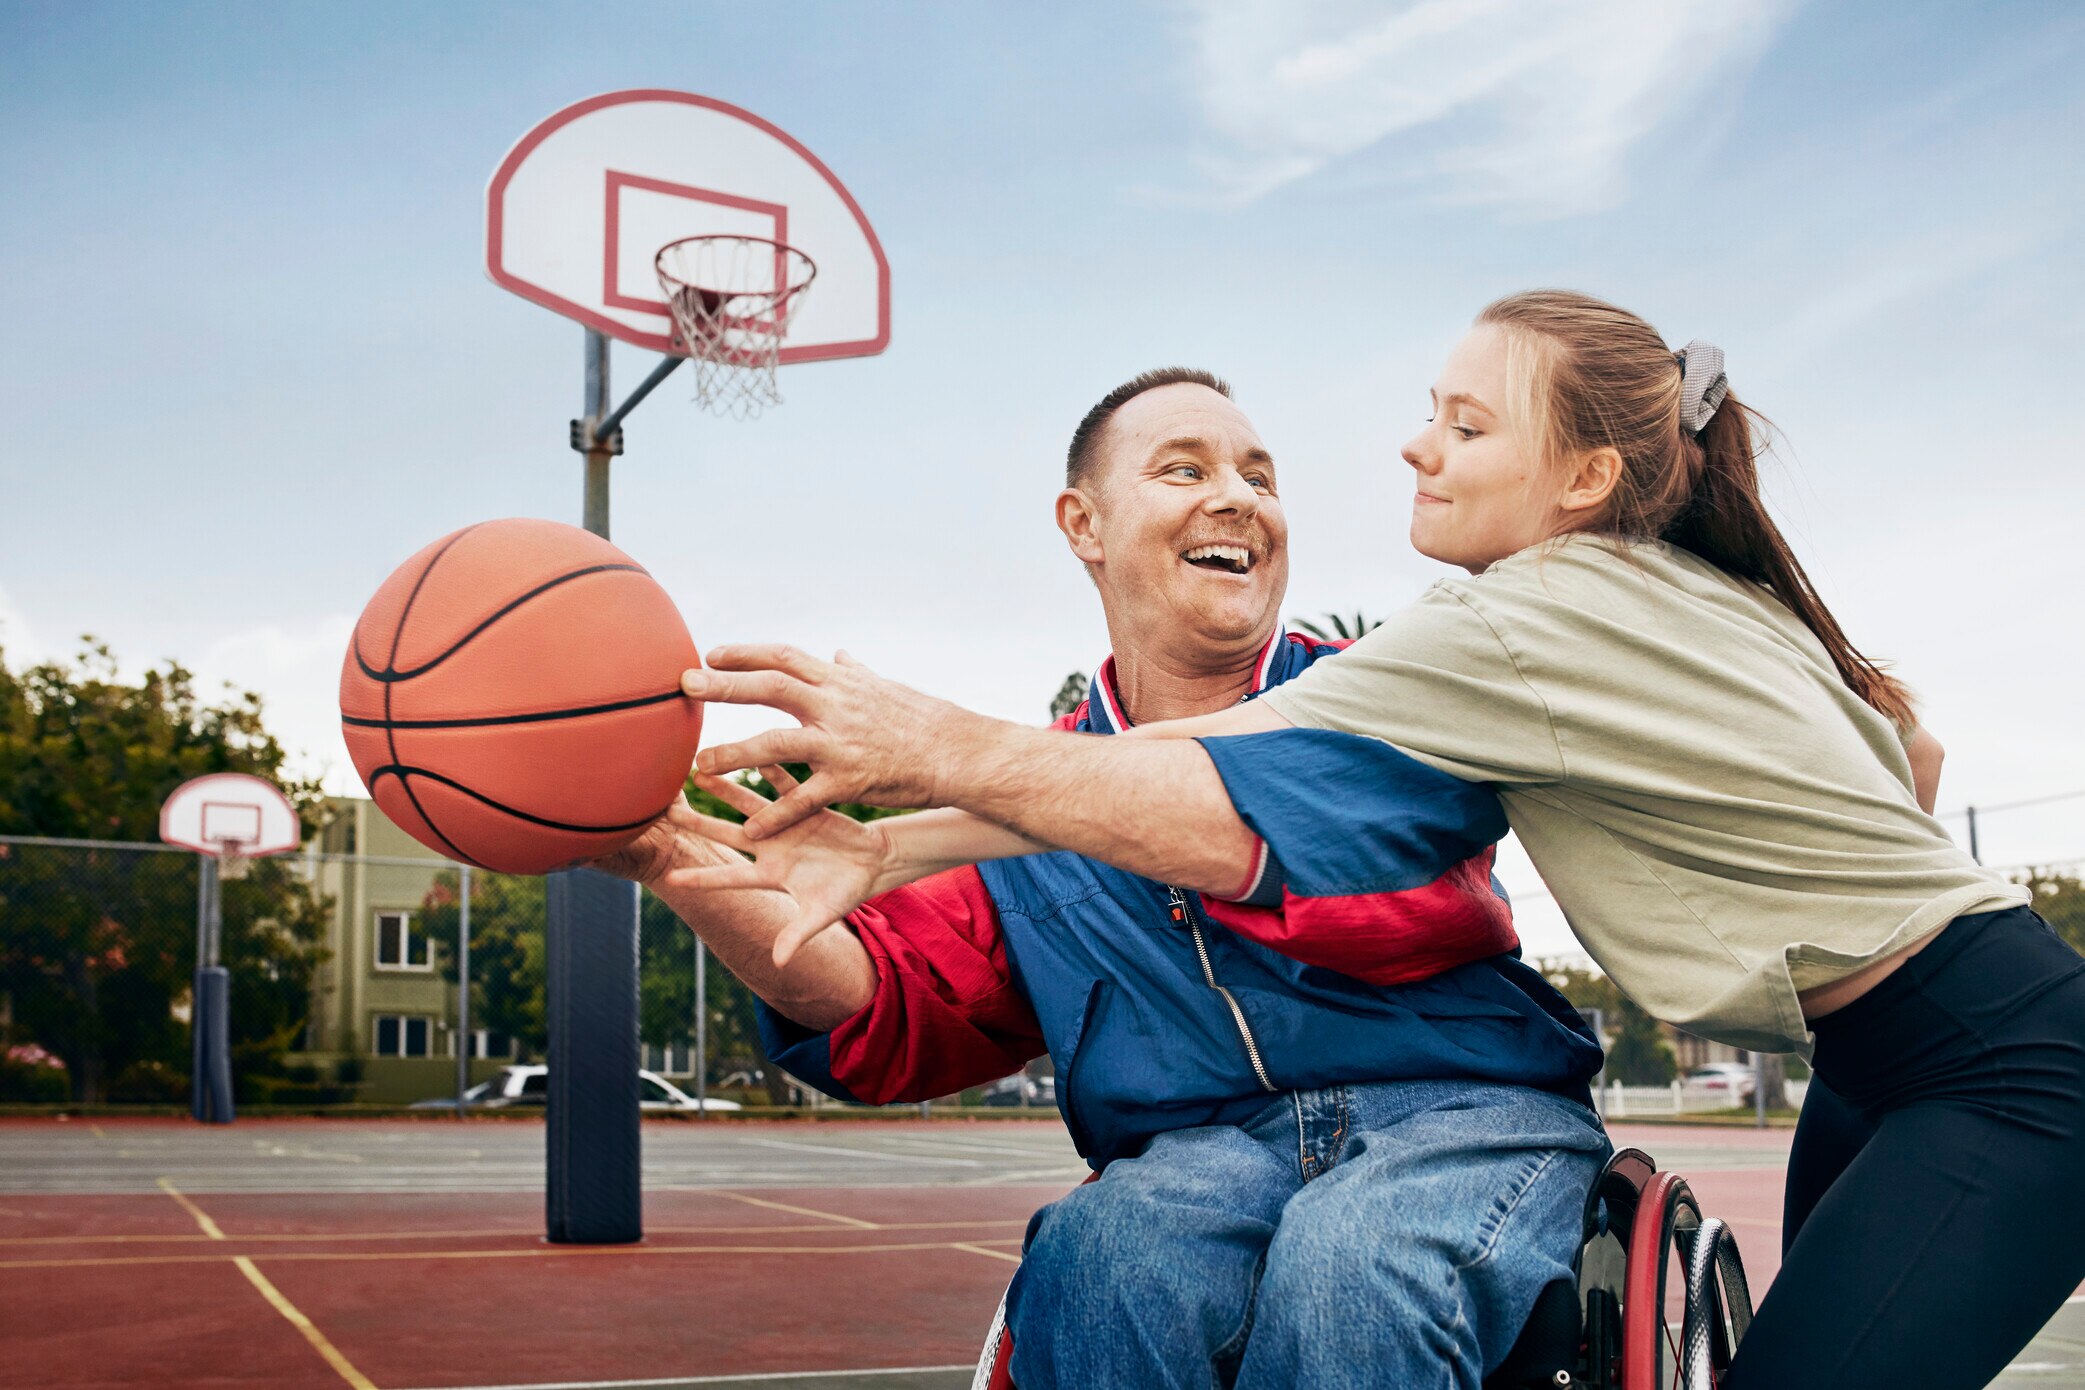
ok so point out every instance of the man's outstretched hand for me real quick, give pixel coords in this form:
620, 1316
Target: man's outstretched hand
867, 739
828, 863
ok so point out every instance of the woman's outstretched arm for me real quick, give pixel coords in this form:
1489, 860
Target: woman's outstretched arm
1150, 802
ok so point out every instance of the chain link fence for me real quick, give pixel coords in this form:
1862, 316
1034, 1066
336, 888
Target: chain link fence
346, 978
345, 982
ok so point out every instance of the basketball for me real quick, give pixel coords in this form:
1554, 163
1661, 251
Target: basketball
511, 696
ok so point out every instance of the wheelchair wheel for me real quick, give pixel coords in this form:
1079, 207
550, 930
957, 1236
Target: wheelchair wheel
1685, 1304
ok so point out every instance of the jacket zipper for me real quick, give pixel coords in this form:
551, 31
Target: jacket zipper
1183, 913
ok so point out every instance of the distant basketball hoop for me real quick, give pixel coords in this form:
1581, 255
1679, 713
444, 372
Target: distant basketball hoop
732, 298
231, 817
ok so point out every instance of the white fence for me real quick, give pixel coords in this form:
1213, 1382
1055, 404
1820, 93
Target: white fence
1623, 1102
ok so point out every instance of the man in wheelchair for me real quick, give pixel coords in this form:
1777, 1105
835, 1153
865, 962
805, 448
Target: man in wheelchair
1342, 1132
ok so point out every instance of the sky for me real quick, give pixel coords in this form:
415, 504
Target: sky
251, 360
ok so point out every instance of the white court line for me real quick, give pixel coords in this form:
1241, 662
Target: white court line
719, 1380
865, 1153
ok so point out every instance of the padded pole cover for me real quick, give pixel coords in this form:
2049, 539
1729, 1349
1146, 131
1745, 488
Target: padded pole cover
592, 1196
211, 1021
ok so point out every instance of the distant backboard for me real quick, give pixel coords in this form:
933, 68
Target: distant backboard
577, 211
230, 812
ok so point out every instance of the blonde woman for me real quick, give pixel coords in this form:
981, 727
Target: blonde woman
1730, 802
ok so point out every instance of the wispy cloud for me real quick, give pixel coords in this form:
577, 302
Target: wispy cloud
18, 640
296, 672
1529, 105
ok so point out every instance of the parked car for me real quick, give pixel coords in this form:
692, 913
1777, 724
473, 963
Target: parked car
1020, 1089
530, 1085
1732, 1079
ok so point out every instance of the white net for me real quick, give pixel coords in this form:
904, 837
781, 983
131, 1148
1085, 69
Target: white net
732, 298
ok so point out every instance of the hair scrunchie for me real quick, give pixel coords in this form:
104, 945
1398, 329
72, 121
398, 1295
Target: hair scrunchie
1703, 384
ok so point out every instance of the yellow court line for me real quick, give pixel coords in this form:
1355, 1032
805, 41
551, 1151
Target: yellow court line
304, 1325
483, 1233
202, 1218
800, 1211
537, 1252
98, 1131
980, 1250
486, 1232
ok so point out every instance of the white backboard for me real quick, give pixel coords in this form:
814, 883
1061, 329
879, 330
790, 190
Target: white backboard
224, 810
577, 211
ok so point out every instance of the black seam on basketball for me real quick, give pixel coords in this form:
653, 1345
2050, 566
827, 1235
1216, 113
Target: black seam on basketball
490, 720
406, 786
391, 735
404, 772
391, 673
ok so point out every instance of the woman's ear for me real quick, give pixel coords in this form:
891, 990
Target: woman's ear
1593, 480
1078, 519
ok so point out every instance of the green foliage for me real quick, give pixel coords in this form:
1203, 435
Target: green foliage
1340, 627
508, 955
1637, 1052
97, 945
2060, 899
1068, 695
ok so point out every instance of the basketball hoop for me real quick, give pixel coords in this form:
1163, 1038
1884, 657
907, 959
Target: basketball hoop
732, 298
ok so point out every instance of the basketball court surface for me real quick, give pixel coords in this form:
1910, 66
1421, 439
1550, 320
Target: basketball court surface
409, 1255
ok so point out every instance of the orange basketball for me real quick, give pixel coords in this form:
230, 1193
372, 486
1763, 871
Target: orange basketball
512, 696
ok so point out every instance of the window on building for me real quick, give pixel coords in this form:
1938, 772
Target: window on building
678, 1059
402, 1035
486, 1043
400, 944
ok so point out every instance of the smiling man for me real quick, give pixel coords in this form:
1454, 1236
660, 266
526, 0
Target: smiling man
1341, 1130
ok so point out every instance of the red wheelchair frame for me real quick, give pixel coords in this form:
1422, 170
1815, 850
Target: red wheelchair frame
1658, 1301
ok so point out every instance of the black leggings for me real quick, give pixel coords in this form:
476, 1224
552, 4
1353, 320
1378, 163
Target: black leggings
1935, 1216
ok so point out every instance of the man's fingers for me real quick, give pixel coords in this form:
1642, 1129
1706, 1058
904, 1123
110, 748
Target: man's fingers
739, 797
758, 687
774, 746
780, 814
729, 834
768, 656
745, 874
780, 779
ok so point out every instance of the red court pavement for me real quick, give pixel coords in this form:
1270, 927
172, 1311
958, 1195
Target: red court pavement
418, 1288
459, 1289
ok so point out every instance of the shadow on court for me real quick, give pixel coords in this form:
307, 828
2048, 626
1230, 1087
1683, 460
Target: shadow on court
409, 1256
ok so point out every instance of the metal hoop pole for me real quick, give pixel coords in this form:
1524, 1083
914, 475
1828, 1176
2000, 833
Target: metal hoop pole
667, 365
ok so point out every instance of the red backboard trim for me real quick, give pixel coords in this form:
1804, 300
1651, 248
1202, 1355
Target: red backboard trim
495, 199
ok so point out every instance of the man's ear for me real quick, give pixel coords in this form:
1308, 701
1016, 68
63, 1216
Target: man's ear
1078, 518
1593, 480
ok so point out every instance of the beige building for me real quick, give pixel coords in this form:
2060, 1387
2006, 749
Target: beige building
378, 997
378, 1000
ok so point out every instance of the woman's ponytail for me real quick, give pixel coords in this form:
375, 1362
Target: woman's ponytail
1590, 375
1724, 521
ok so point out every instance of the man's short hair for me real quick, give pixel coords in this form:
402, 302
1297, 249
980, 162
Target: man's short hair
1085, 440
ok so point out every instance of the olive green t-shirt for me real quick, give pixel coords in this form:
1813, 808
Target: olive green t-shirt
1722, 820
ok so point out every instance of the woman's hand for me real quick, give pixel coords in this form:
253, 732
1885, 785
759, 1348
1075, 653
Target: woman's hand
829, 864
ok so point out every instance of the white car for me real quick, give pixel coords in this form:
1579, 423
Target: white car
530, 1085
1733, 1079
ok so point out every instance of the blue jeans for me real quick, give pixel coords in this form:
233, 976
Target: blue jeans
1386, 1234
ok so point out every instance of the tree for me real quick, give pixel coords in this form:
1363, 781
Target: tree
1637, 1053
2060, 899
1069, 695
509, 962
97, 945
1342, 628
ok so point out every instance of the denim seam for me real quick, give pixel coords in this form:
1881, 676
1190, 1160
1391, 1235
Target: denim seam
1303, 1163
1505, 1206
